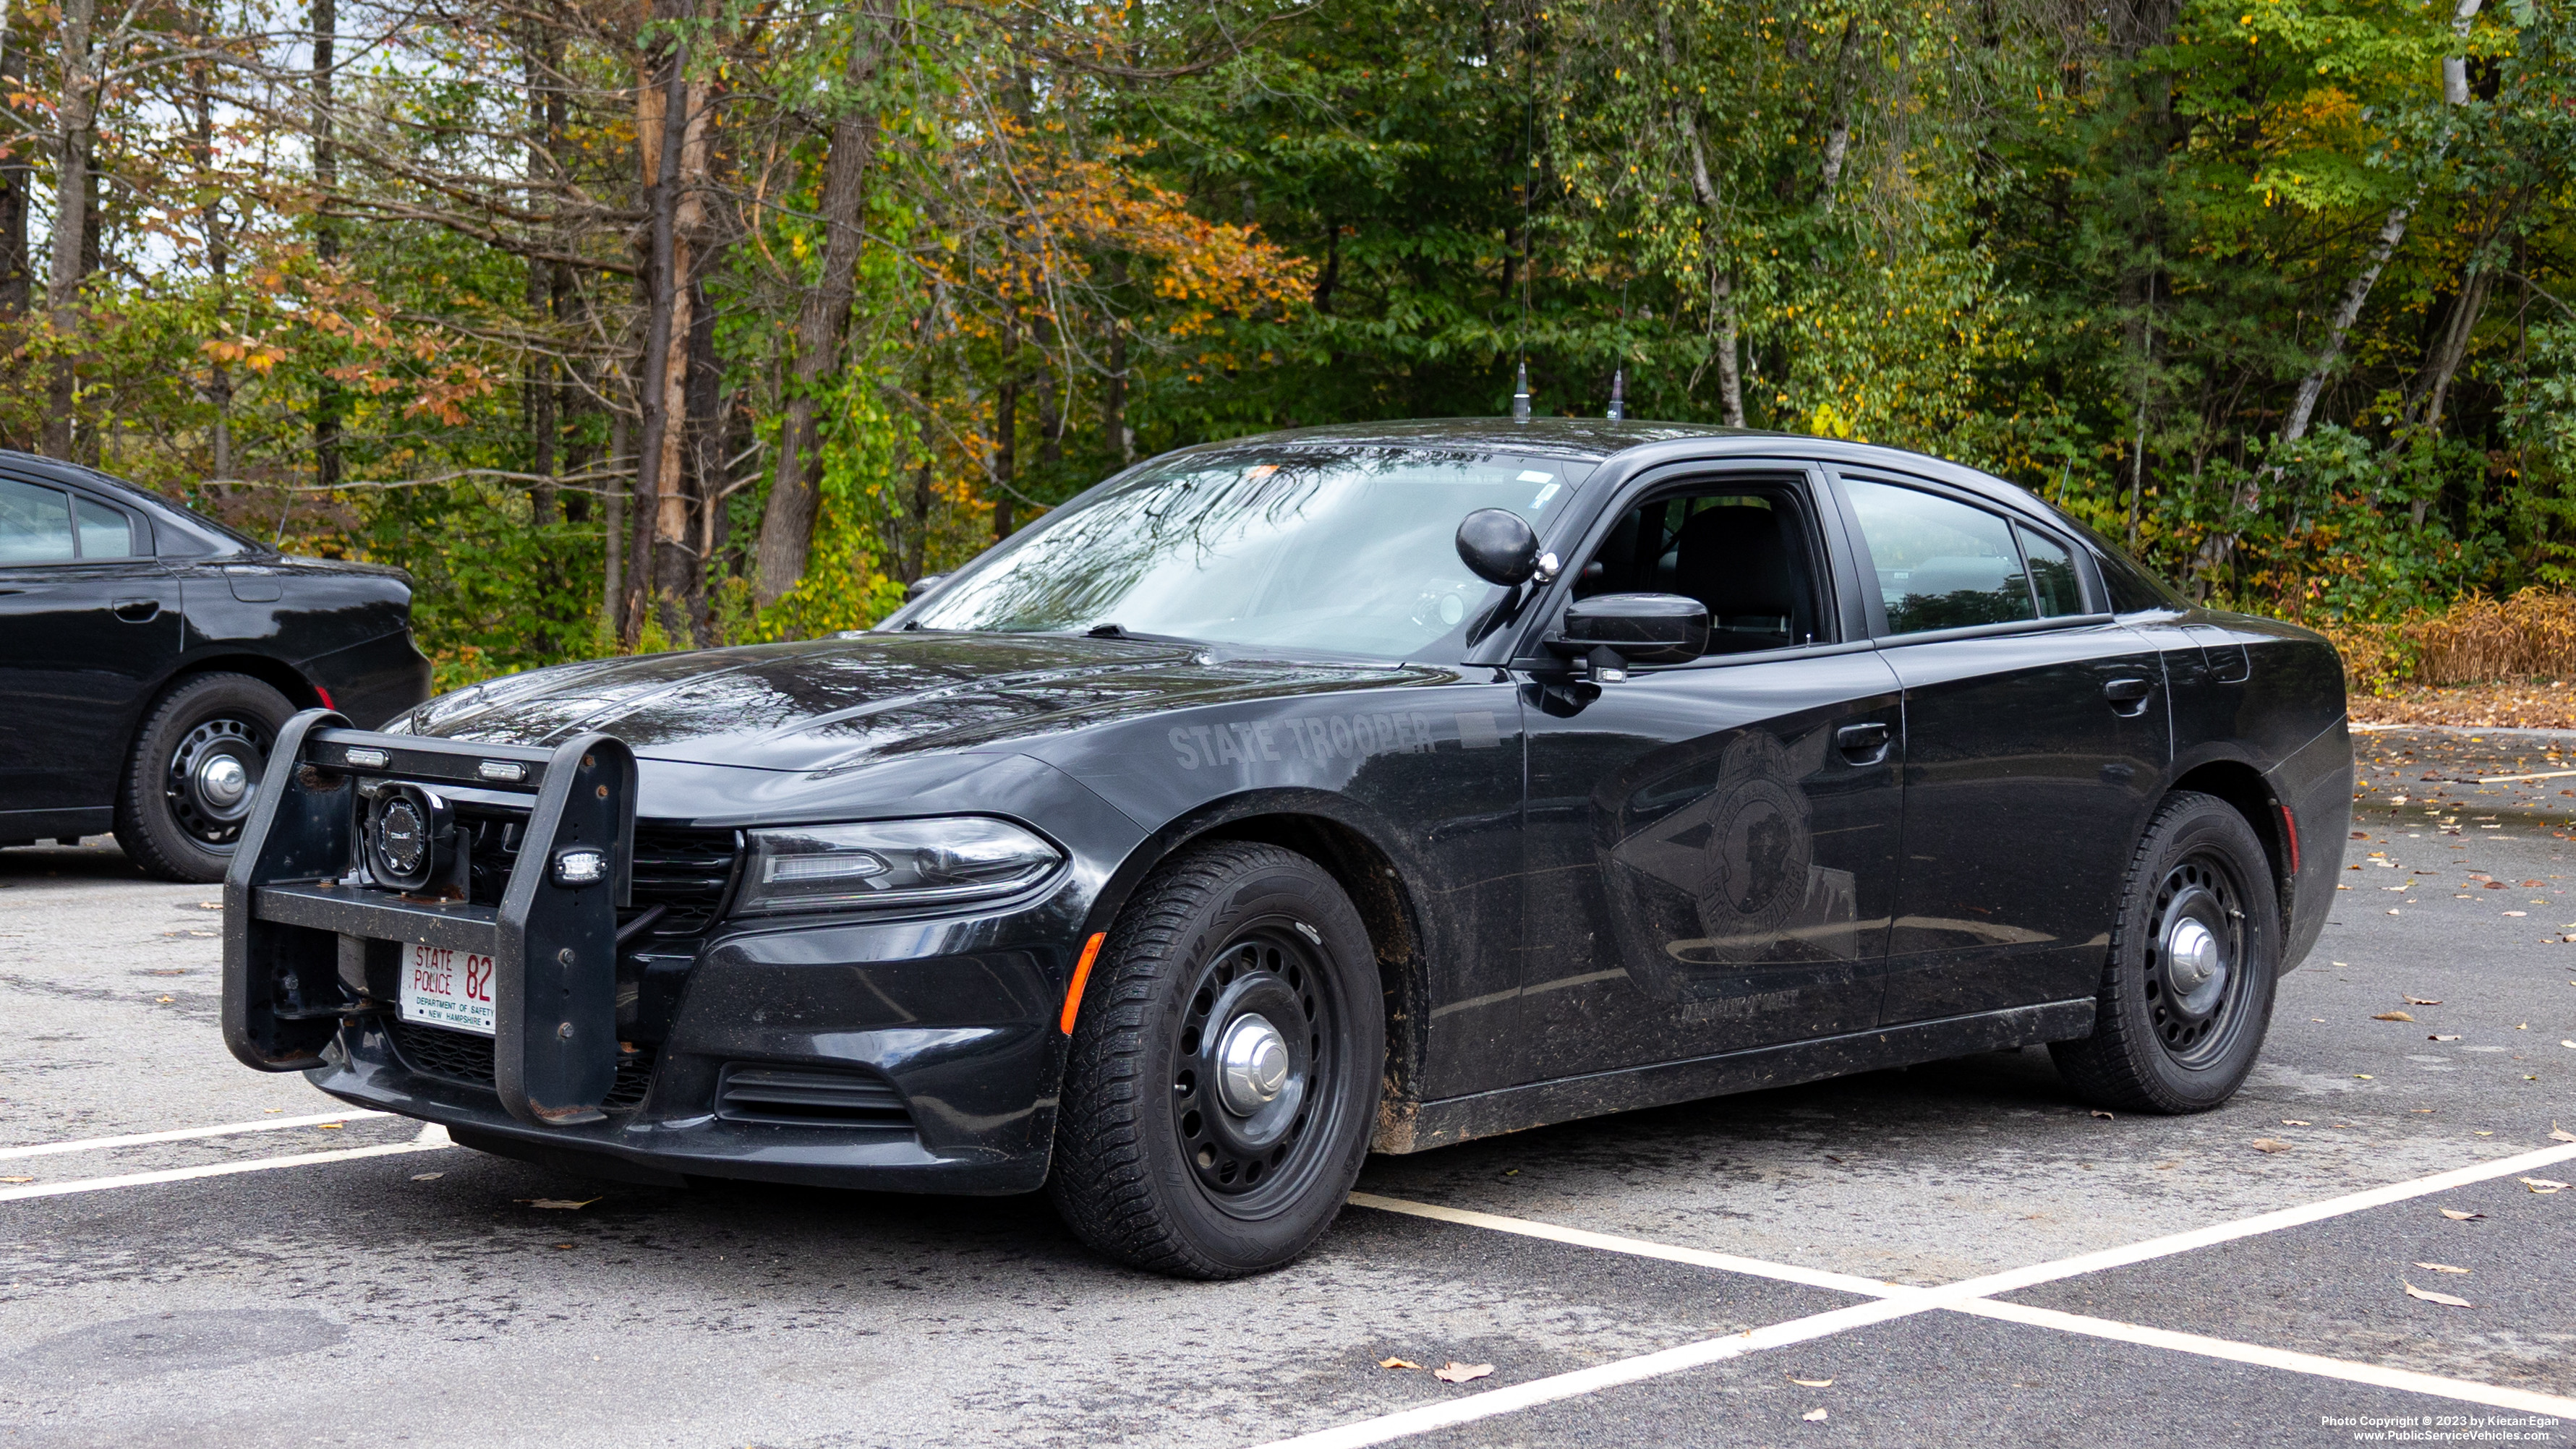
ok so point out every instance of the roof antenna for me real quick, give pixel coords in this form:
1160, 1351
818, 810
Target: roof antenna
1619, 394
1520, 395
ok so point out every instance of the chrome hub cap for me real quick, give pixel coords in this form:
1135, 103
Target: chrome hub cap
1252, 1065
222, 781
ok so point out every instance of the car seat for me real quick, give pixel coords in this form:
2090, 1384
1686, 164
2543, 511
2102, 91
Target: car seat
1735, 558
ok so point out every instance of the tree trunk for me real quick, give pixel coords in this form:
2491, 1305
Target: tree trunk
1730, 372
76, 115
210, 218
612, 585
822, 317
1838, 125
1730, 379
1006, 454
661, 133
327, 402
540, 390
705, 398
17, 183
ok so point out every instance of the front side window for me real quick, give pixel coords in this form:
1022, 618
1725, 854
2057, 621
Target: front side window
35, 524
1740, 548
1344, 550
1941, 564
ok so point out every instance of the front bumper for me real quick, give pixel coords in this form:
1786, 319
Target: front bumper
853, 1003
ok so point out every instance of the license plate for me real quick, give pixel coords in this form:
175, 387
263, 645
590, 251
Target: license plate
449, 988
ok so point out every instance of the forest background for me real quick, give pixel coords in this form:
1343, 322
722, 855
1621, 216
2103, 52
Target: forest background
630, 324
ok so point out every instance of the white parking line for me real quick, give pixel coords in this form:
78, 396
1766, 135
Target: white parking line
2494, 1396
1897, 1301
183, 1134
432, 1138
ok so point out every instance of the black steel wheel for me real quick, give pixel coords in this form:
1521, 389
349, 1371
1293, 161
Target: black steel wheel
2186, 995
1224, 1070
195, 768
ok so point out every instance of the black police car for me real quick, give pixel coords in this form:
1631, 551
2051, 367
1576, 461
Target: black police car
1347, 789
148, 657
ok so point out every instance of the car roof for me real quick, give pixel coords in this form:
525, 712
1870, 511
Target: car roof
1600, 440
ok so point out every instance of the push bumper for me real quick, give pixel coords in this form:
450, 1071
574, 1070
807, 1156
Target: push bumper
919, 1056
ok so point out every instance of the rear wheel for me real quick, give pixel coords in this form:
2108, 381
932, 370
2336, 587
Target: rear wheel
2186, 995
1224, 1069
196, 766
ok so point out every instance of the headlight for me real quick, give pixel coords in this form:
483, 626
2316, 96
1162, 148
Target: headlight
891, 863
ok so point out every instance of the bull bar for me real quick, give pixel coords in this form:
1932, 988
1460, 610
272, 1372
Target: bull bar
303, 916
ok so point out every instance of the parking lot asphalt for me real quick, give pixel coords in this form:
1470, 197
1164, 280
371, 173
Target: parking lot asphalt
1715, 1273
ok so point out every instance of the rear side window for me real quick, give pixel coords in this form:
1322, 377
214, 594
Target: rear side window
2052, 574
104, 532
35, 524
1941, 564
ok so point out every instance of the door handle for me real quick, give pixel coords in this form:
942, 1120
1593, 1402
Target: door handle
137, 611
1863, 744
2128, 696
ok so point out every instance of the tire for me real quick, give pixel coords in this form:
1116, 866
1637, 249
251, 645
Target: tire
177, 813
2165, 1038
1157, 1162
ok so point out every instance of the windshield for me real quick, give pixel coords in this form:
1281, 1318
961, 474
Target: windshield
1350, 551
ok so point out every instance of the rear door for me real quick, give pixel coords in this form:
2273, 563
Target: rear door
2036, 737
1712, 845
89, 621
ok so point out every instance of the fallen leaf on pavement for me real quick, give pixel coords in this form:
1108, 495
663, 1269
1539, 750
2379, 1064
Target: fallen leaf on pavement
2269, 1144
1813, 1416
2445, 1299
2442, 1038
1454, 1372
1811, 1383
2560, 1134
2105, 1116
2422, 1001
557, 1203
2295, 1122
17, 1179
2441, 1267
2541, 1185
2363, 1077
2393, 1016
1398, 1363
329, 1126
2457, 1216
427, 1176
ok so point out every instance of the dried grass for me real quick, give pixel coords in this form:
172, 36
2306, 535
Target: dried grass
2477, 639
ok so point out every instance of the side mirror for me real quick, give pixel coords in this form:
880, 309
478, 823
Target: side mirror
1500, 547
1641, 628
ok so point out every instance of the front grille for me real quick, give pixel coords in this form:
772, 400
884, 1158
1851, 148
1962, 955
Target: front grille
810, 1097
686, 872
466, 1059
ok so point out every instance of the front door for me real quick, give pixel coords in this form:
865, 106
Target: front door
1711, 845
88, 620
2036, 736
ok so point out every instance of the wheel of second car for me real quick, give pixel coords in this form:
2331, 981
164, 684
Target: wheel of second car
195, 767
2186, 994
1224, 1069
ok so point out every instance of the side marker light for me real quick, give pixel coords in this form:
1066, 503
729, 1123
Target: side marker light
1081, 977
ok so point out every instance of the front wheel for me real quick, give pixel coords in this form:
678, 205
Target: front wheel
1224, 1069
2186, 993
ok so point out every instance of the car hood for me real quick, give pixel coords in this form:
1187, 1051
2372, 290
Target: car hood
837, 703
